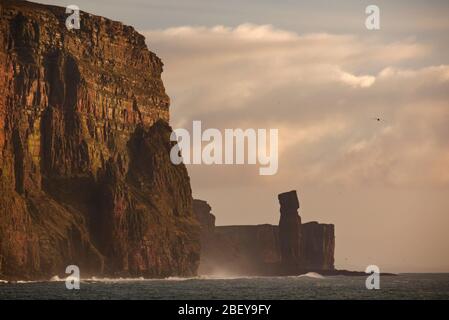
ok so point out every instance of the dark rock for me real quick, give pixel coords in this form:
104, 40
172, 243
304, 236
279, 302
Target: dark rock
85, 173
317, 246
203, 213
290, 229
244, 250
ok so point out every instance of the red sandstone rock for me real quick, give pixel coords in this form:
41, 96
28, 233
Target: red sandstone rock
85, 173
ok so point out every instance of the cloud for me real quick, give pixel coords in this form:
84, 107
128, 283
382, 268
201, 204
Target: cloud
354, 81
322, 91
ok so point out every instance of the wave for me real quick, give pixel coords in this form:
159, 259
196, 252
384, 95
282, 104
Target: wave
226, 277
18, 281
120, 279
56, 278
199, 277
313, 275
96, 279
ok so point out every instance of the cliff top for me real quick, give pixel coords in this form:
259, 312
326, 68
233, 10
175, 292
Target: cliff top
42, 11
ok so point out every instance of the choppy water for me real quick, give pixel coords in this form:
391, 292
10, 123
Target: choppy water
312, 286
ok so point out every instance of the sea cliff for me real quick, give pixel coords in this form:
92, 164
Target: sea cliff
85, 172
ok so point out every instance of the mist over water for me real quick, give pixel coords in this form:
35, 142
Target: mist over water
309, 286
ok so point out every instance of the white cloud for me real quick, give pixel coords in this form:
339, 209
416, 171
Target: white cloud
357, 81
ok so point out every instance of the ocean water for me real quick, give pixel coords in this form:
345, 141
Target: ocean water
310, 286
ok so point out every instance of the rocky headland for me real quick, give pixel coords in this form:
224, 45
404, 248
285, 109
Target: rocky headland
85, 172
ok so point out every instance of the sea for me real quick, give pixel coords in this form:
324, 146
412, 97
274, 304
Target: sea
308, 286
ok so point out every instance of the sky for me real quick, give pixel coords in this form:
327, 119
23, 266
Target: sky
313, 71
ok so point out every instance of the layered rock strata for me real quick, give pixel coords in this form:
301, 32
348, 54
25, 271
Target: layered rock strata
85, 173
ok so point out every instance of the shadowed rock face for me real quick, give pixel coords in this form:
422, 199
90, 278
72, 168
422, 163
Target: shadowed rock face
255, 249
290, 228
317, 247
203, 213
85, 173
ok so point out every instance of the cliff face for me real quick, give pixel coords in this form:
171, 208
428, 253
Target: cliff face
85, 173
255, 248
202, 211
234, 249
317, 247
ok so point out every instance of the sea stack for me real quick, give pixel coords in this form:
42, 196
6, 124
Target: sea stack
290, 229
